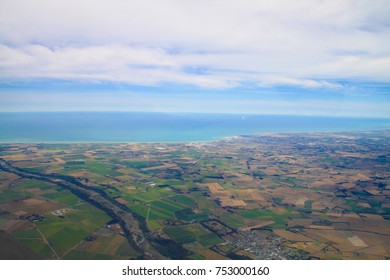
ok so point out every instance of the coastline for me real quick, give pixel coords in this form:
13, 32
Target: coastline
243, 190
223, 138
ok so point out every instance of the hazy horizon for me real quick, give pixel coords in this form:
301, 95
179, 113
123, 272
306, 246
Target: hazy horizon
200, 113
117, 127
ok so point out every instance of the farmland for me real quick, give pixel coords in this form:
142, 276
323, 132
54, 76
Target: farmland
274, 196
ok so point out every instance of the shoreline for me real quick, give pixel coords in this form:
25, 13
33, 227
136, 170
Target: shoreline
224, 138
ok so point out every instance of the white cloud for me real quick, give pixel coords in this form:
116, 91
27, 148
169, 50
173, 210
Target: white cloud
212, 44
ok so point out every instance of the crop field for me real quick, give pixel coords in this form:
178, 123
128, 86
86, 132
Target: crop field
305, 196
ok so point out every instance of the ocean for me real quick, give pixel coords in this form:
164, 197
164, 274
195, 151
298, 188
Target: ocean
70, 127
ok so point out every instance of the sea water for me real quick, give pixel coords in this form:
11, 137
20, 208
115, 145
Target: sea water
65, 127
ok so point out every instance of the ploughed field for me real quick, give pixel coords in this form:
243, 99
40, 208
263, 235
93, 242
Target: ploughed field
274, 196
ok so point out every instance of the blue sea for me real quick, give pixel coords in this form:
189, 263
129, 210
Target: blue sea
163, 127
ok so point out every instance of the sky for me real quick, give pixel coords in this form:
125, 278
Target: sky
222, 56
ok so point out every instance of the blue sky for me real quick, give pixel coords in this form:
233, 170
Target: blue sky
258, 57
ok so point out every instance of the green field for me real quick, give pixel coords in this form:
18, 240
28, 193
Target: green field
64, 233
31, 233
180, 234
191, 233
280, 219
153, 194
140, 164
83, 255
39, 246
140, 209
184, 200
11, 195
24, 184
232, 221
63, 196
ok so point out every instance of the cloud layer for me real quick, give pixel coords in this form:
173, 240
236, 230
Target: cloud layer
208, 44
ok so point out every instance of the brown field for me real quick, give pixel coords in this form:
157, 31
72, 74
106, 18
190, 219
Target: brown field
364, 204
272, 171
32, 202
112, 247
300, 202
373, 191
15, 225
30, 206
215, 188
356, 241
345, 215
323, 204
246, 254
226, 202
300, 222
59, 160
20, 213
121, 200
6, 179
372, 217
326, 182
339, 238
18, 157
375, 251
206, 253
124, 178
251, 194
321, 227
38, 191
242, 177
292, 236
93, 246
259, 224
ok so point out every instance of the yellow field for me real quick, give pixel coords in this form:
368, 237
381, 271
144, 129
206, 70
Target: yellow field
251, 194
225, 202
214, 188
296, 237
